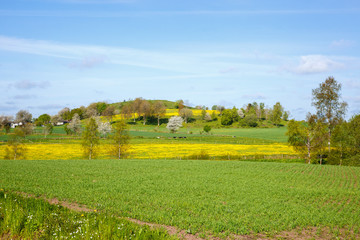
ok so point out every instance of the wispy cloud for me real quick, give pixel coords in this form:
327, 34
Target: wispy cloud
24, 96
257, 96
27, 85
87, 62
342, 43
47, 107
86, 56
229, 70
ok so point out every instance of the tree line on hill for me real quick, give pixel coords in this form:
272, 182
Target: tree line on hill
326, 137
151, 112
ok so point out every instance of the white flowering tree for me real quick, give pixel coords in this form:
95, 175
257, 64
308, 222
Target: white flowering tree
104, 128
75, 124
174, 123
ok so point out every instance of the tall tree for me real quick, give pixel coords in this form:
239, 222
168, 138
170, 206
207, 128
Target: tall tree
65, 114
127, 112
145, 110
159, 110
43, 120
120, 140
90, 139
227, 117
307, 138
80, 111
341, 140
326, 99
277, 113
186, 113
23, 117
136, 107
92, 110
109, 112
262, 110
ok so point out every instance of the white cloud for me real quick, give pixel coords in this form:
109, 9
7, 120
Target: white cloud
316, 64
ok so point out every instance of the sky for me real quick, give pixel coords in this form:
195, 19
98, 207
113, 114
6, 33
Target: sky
69, 53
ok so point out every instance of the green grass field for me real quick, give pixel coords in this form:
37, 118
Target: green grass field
206, 197
143, 134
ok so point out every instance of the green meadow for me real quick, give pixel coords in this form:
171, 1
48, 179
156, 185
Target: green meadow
207, 198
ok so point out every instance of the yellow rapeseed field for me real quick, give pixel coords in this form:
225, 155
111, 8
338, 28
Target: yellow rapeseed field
153, 151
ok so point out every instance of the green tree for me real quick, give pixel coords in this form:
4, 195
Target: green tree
326, 99
250, 120
307, 138
227, 117
286, 116
65, 114
354, 132
234, 114
100, 107
15, 148
207, 128
277, 113
80, 111
121, 140
262, 110
90, 139
42, 120
341, 139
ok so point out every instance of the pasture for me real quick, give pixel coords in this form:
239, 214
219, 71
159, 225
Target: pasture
208, 198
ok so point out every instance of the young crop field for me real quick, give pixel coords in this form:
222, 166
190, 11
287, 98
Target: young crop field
30, 218
208, 198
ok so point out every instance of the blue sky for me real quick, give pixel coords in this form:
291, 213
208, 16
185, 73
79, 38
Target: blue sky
68, 53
